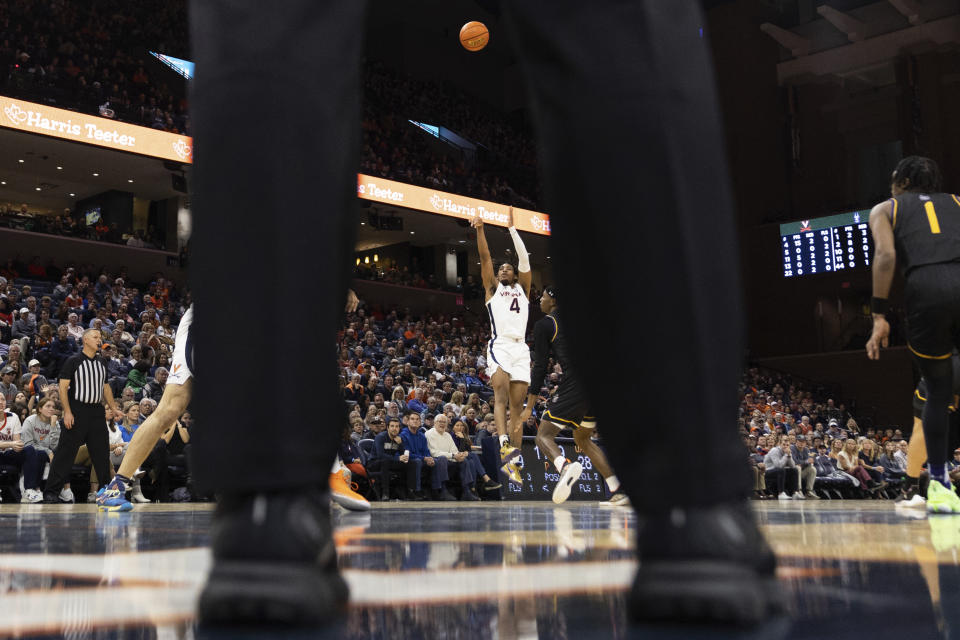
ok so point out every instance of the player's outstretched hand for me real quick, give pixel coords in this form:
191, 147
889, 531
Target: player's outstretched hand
879, 338
352, 301
477, 222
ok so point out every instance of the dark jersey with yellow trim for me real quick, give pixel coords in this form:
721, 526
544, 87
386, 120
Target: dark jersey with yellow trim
547, 336
926, 229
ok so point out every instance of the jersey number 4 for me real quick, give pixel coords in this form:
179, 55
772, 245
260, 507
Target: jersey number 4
515, 305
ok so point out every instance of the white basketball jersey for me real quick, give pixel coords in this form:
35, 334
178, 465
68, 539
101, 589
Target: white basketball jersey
508, 309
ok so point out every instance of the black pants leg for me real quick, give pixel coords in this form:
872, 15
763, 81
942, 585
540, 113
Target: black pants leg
636, 184
98, 443
293, 211
66, 452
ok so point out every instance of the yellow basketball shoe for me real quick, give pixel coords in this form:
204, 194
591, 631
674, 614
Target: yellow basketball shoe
942, 500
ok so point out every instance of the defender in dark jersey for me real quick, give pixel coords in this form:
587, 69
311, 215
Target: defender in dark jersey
920, 227
569, 408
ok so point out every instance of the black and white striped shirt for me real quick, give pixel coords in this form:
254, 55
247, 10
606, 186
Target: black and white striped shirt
87, 377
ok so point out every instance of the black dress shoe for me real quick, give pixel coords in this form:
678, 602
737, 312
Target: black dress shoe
705, 564
446, 496
51, 497
255, 580
417, 496
468, 496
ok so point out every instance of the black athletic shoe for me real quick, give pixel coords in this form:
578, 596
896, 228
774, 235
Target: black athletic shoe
468, 496
417, 496
446, 496
705, 564
491, 485
256, 580
51, 497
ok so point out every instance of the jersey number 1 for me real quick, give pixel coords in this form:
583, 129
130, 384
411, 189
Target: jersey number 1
931, 217
515, 305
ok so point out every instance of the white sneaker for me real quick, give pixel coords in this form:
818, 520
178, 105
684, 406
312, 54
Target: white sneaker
136, 495
570, 474
66, 495
784, 496
799, 496
91, 497
33, 496
916, 502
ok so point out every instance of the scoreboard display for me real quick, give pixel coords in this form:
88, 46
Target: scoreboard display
540, 477
826, 245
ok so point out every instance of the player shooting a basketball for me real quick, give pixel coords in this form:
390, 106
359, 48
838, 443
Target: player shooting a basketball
568, 408
508, 357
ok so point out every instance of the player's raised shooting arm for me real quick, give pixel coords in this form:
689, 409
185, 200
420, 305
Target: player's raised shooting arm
524, 275
486, 262
885, 252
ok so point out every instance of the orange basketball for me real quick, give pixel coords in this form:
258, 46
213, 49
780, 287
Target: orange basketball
474, 36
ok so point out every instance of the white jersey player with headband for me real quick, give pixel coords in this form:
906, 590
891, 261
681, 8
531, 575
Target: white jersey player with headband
508, 357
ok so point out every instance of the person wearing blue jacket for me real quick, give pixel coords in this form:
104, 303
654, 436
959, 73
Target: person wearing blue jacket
416, 443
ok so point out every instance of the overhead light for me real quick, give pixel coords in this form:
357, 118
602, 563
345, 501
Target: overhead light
376, 258
129, 180
366, 260
72, 194
412, 232
358, 261
463, 242
59, 168
96, 174
362, 223
3, 182
38, 188
20, 161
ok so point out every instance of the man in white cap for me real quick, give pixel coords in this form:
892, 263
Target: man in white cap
25, 326
32, 382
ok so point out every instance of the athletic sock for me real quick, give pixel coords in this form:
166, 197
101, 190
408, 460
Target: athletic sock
558, 462
938, 472
127, 482
504, 439
613, 483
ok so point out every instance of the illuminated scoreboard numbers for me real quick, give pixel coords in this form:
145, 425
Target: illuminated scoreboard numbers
833, 243
864, 230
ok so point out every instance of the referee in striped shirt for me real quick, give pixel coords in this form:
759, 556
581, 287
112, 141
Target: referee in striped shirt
83, 387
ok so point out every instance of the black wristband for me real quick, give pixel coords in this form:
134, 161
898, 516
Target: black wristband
879, 306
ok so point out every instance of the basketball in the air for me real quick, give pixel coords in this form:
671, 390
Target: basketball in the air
474, 36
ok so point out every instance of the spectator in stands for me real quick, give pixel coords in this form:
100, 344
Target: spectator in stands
40, 435
62, 347
7, 387
12, 449
442, 446
154, 389
389, 455
781, 471
25, 326
901, 454
848, 459
74, 328
137, 377
870, 459
803, 457
415, 441
892, 469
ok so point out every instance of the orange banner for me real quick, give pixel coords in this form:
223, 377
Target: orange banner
103, 132
448, 204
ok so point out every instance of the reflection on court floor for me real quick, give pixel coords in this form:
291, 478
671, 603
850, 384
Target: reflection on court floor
494, 570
